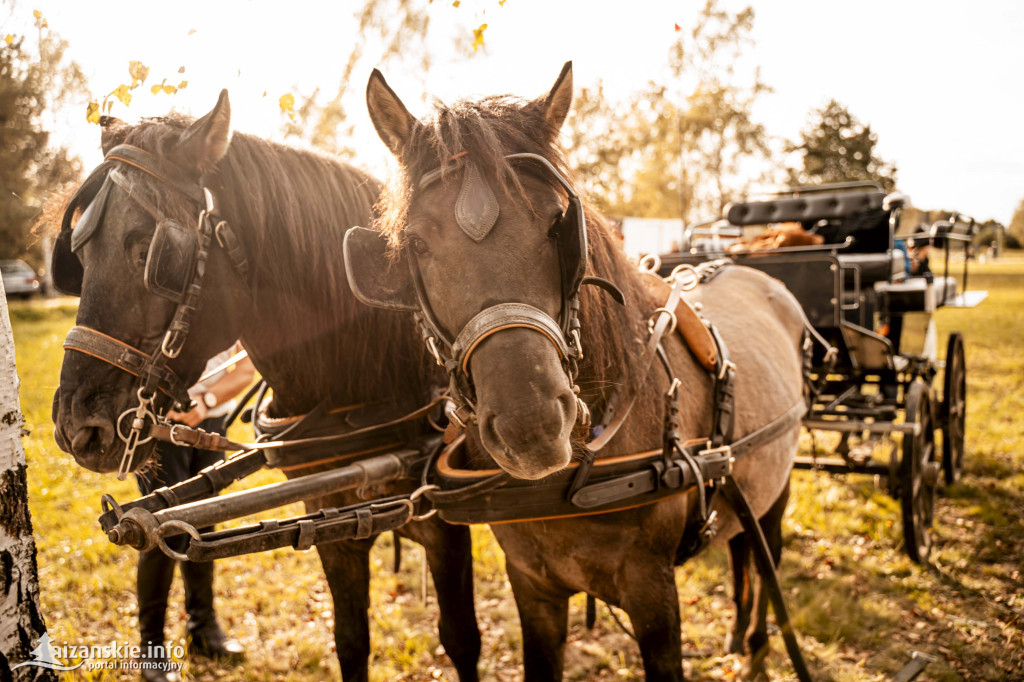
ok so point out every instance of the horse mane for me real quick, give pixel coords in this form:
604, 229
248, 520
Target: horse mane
487, 130
291, 208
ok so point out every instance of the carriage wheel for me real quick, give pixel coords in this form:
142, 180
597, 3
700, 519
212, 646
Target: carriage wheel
954, 409
919, 473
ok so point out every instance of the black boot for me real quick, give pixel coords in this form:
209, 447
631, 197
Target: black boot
206, 638
153, 582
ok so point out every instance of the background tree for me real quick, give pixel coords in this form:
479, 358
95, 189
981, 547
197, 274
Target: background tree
35, 79
1015, 229
389, 30
21, 621
836, 147
677, 151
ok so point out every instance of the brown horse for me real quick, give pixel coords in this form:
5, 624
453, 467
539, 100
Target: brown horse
491, 230
308, 337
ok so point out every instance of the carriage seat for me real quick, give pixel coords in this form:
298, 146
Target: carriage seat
911, 295
874, 267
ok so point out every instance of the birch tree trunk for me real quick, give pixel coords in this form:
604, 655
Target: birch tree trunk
21, 621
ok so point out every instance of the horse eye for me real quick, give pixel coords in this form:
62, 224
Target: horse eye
418, 246
554, 231
137, 251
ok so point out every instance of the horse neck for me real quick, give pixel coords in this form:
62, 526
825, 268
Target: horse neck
613, 331
308, 336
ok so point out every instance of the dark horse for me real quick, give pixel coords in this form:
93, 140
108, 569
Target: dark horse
485, 231
308, 337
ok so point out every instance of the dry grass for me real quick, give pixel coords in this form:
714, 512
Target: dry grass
858, 603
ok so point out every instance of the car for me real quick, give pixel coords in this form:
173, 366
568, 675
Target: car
19, 278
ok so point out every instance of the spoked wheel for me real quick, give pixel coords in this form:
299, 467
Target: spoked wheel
919, 473
954, 409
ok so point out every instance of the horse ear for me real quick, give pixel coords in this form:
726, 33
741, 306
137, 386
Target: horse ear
392, 120
376, 279
112, 132
556, 104
205, 142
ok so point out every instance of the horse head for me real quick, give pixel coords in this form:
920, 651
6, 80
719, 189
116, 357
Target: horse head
488, 246
134, 257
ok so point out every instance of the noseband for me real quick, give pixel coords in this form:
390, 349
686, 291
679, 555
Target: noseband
476, 212
175, 268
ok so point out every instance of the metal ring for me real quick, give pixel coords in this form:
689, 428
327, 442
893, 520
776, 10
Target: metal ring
432, 347
108, 503
653, 259
418, 493
672, 316
161, 537
163, 345
679, 270
124, 439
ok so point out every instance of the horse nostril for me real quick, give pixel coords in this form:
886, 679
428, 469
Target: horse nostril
567, 403
92, 440
489, 432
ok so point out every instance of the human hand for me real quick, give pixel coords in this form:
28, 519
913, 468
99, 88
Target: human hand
192, 418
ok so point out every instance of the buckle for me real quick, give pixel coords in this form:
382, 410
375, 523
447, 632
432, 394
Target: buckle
174, 440
716, 462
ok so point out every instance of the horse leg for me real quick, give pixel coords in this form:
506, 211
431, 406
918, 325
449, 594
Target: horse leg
347, 567
544, 616
742, 591
450, 556
757, 636
652, 602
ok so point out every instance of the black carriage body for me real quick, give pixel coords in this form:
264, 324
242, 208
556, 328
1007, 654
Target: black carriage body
856, 290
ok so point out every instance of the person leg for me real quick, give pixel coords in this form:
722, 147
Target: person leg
206, 638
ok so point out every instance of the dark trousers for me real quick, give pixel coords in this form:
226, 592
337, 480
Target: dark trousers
175, 463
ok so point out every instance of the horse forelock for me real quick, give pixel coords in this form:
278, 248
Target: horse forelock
486, 131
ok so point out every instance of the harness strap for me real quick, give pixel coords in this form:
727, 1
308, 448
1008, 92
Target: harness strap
766, 567
661, 327
142, 160
127, 358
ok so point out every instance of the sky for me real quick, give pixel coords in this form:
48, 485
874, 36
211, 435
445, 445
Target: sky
939, 82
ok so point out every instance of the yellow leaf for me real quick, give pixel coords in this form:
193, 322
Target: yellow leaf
191, 31
170, 89
182, 85
478, 37
139, 73
156, 88
501, 3
92, 112
8, 39
37, 14
456, 3
181, 69
287, 102
122, 93
44, 24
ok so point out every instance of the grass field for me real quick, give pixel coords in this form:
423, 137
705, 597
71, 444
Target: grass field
859, 604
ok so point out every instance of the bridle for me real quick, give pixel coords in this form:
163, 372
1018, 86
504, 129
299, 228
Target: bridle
454, 353
175, 270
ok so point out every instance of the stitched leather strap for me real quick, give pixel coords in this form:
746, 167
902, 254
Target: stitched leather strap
506, 316
128, 358
142, 160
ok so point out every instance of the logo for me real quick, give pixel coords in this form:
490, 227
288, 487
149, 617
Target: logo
113, 656
44, 657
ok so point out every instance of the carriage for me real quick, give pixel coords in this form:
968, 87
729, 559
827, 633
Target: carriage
874, 374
